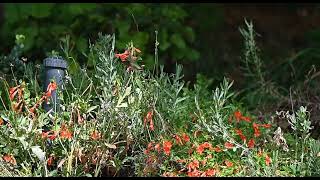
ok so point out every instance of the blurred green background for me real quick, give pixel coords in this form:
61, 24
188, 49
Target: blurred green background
204, 38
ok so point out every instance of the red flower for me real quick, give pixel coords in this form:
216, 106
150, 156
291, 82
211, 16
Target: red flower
123, 56
151, 126
210, 172
256, 130
13, 91
266, 125
157, 147
65, 133
228, 163
239, 132
251, 143
50, 161
247, 119
9, 159
195, 173
51, 87
185, 137
203, 146
207, 145
268, 160
95, 135
45, 135
237, 115
194, 165
167, 147
228, 145
200, 149
178, 139
217, 149
147, 119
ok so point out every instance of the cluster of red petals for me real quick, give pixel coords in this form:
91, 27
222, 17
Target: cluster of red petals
239, 117
95, 135
148, 119
228, 145
167, 147
203, 146
239, 132
251, 143
9, 159
65, 133
256, 130
49, 134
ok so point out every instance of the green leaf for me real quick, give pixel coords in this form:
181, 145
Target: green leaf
82, 44
193, 54
189, 33
82, 8
11, 13
5, 95
41, 10
177, 40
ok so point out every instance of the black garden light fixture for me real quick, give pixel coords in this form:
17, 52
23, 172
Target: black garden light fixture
54, 68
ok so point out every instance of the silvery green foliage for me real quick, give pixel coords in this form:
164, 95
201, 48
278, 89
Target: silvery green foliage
300, 121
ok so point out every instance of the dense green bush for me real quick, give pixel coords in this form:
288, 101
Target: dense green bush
44, 24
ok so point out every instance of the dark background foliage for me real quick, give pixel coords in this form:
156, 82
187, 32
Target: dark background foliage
203, 37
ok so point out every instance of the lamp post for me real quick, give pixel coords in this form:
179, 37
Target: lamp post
54, 70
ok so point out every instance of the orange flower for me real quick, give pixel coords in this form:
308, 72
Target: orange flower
217, 149
1, 121
195, 173
149, 147
228, 163
95, 135
45, 135
157, 147
207, 145
151, 125
210, 172
203, 146
50, 161
259, 153
228, 145
185, 137
65, 133
178, 139
51, 87
167, 147
13, 91
266, 125
237, 115
194, 165
251, 143
244, 118
239, 132
200, 149
123, 56
148, 118
256, 130
268, 160
9, 159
